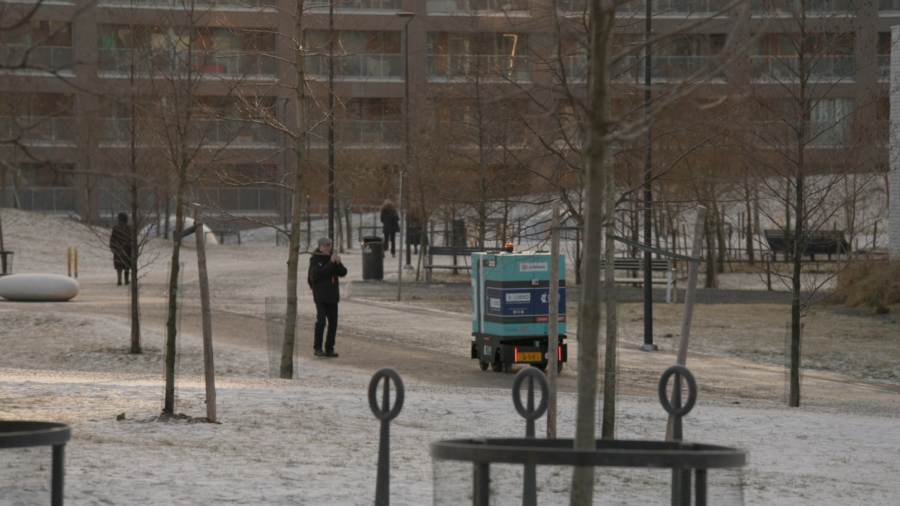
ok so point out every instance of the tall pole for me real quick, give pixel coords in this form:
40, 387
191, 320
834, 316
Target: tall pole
408, 16
553, 323
331, 120
648, 195
205, 317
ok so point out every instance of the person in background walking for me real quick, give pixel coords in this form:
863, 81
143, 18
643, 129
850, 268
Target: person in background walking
414, 228
325, 269
120, 245
390, 220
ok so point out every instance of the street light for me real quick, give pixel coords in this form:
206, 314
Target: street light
408, 16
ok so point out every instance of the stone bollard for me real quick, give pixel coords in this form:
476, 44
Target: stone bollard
385, 413
529, 491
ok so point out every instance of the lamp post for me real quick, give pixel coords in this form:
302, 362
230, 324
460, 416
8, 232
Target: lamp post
331, 121
408, 16
648, 194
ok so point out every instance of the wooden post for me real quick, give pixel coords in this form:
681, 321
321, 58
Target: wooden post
693, 273
208, 365
553, 323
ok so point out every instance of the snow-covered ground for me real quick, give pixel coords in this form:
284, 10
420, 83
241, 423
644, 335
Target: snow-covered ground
313, 440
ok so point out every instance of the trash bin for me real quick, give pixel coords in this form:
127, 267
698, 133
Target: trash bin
373, 258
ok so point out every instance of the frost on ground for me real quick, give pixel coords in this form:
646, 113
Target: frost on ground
306, 443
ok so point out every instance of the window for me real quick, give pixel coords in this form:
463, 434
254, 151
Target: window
830, 121
48, 175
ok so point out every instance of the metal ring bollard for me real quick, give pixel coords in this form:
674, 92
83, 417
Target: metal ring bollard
385, 413
681, 478
26, 434
530, 414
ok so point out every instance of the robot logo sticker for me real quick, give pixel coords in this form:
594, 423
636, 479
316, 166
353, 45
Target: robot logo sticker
544, 298
495, 303
533, 267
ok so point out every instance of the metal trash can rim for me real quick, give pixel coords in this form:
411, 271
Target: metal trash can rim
608, 453
21, 434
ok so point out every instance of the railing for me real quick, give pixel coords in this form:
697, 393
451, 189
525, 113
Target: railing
358, 5
884, 66
47, 200
667, 6
371, 65
350, 133
788, 67
38, 129
666, 67
889, 5
255, 200
469, 7
516, 68
247, 4
116, 130
237, 63
779, 135
37, 57
238, 133
576, 66
230, 63
813, 7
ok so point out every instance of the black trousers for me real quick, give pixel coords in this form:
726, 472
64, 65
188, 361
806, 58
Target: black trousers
329, 311
392, 238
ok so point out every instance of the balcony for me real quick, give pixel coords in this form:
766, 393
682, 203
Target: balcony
476, 7
38, 129
472, 67
53, 58
240, 133
814, 7
889, 5
819, 135
224, 63
370, 66
360, 134
251, 201
663, 7
211, 4
63, 200
780, 68
390, 6
884, 67
665, 68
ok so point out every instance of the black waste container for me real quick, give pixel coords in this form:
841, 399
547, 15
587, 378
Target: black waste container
373, 258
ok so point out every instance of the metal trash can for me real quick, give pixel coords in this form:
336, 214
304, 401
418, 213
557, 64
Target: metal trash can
373, 258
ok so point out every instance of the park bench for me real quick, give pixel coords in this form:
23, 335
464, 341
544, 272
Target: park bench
656, 265
455, 252
823, 242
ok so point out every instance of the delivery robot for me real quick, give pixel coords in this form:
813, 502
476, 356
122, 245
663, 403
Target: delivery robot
511, 310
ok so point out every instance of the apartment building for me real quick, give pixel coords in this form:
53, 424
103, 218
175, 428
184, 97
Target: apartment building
456, 49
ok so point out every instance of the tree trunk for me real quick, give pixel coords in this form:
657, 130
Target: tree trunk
711, 270
748, 224
290, 317
608, 427
135, 252
171, 319
348, 222
597, 153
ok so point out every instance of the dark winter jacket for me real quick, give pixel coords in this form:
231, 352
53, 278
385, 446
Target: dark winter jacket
120, 245
324, 277
391, 220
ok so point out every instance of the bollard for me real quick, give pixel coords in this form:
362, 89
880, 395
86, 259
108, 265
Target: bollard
69, 260
530, 414
385, 413
681, 478
76, 262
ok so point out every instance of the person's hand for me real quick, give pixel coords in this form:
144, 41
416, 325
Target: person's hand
336, 258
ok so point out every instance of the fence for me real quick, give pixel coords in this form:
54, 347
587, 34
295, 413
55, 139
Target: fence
247, 201
46, 200
356, 5
469, 7
357, 65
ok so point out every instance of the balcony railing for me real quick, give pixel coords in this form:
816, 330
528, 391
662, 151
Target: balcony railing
501, 67
788, 67
255, 200
37, 57
212, 4
227, 63
779, 135
665, 67
470, 7
240, 133
46, 200
889, 5
666, 6
358, 5
884, 66
372, 65
360, 133
38, 129
817, 6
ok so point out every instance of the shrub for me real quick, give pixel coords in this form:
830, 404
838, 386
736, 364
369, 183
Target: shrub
870, 283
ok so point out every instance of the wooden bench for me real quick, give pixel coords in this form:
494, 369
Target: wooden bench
824, 242
656, 265
455, 252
